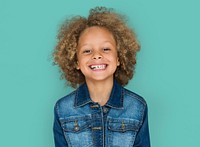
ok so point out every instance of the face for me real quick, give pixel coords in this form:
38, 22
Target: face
97, 54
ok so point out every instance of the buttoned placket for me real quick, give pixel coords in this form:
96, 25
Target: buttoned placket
105, 114
99, 114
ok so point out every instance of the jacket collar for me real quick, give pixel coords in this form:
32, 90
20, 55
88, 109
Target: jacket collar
115, 101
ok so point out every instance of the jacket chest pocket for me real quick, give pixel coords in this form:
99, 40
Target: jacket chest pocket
77, 131
122, 132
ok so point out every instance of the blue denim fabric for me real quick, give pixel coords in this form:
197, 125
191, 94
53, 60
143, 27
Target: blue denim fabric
122, 122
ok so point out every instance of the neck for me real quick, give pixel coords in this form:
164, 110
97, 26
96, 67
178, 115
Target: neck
100, 91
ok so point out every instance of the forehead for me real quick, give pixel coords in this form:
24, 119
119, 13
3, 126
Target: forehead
95, 32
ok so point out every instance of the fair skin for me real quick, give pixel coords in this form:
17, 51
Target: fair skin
98, 61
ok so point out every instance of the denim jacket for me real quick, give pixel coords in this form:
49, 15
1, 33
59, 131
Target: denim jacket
121, 122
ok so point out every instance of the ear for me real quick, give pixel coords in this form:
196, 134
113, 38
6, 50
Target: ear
77, 65
118, 63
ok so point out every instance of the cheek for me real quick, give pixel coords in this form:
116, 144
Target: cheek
81, 62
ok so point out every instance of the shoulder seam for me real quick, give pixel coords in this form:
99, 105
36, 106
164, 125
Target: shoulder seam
134, 95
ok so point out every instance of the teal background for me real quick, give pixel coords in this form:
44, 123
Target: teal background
167, 72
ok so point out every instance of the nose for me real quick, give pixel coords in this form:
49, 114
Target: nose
97, 55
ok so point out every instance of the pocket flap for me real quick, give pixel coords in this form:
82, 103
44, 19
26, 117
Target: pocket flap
75, 124
123, 125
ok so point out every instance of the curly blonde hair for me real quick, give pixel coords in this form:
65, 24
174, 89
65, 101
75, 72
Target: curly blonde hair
65, 52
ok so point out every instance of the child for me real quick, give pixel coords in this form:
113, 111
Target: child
98, 54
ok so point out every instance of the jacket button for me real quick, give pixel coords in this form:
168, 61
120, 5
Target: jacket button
76, 128
105, 110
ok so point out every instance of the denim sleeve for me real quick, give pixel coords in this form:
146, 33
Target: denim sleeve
143, 138
59, 138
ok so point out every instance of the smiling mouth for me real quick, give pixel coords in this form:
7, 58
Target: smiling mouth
98, 67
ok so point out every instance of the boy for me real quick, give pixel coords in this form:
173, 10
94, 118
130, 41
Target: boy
98, 54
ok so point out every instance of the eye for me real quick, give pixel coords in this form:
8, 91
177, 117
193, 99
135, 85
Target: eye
106, 49
87, 51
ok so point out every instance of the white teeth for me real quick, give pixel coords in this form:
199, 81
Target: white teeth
96, 67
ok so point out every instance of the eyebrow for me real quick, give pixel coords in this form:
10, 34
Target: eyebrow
85, 44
